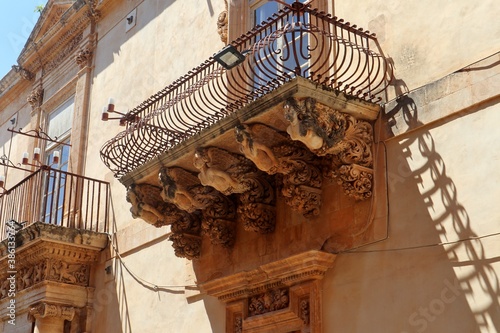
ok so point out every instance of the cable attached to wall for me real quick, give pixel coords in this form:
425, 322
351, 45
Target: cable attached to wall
145, 283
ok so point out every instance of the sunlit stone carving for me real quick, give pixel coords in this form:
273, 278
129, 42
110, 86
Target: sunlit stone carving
345, 141
233, 173
183, 188
274, 153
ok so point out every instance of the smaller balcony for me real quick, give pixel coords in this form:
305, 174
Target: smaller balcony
56, 197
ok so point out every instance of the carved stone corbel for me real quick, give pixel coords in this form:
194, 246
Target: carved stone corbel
35, 99
186, 245
148, 205
344, 140
274, 153
23, 72
44, 310
233, 173
183, 188
83, 57
222, 24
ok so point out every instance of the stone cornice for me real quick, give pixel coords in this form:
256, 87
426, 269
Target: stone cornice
40, 239
307, 266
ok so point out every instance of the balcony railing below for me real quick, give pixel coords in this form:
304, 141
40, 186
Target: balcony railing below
57, 197
297, 41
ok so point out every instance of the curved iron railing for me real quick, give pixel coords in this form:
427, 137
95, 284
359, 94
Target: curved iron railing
293, 42
57, 197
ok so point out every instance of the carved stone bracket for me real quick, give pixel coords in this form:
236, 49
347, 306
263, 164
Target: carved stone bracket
222, 24
44, 310
344, 140
83, 57
183, 188
232, 173
186, 245
147, 204
35, 99
274, 153
23, 72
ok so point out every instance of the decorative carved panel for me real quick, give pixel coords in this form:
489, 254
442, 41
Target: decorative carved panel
274, 153
184, 189
232, 173
346, 143
271, 300
44, 310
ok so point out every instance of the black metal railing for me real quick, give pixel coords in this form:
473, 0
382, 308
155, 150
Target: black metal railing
57, 197
297, 41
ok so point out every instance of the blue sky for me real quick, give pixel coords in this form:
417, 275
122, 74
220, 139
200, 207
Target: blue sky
17, 19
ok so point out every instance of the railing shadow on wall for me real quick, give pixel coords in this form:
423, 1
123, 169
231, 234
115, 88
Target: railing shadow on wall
57, 197
294, 42
462, 245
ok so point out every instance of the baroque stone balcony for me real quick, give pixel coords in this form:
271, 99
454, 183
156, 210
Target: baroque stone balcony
286, 136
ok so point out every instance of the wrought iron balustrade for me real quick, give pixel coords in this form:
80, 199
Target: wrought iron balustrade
293, 42
57, 197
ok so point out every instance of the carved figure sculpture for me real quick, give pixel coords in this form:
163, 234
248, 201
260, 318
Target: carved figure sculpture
222, 170
147, 204
233, 173
183, 188
275, 153
344, 140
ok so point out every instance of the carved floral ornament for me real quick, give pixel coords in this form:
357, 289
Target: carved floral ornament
319, 143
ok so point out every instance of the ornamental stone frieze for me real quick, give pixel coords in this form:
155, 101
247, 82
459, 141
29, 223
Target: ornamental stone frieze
231, 173
184, 189
273, 152
344, 141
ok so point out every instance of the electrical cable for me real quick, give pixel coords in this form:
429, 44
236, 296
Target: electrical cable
353, 251
152, 285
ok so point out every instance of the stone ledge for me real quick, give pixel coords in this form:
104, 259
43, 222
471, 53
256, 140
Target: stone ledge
307, 266
52, 233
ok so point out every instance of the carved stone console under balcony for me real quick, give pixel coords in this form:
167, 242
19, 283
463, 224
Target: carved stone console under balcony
264, 168
275, 153
184, 189
233, 173
346, 143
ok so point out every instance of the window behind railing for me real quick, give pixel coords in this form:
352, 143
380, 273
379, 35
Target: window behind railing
65, 199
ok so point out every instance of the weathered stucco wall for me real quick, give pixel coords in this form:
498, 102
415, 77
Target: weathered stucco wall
437, 271
169, 39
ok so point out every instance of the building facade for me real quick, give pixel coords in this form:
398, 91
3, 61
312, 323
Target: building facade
333, 170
